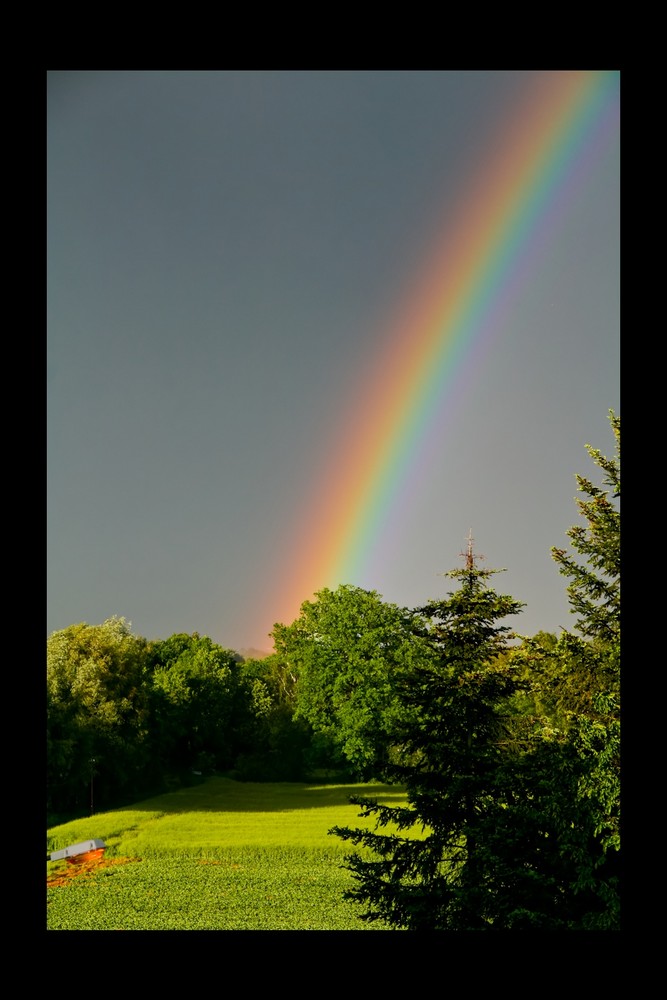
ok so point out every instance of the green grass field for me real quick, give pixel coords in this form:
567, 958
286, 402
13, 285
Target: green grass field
223, 855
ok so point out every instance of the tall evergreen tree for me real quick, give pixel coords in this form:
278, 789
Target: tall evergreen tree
431, 866
594, 591
587, 662
569, 774
581, 672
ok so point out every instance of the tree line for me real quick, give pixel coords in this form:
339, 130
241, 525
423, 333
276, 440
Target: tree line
509, 753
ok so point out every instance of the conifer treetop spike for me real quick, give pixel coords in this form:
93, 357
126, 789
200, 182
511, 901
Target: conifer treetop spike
469, 555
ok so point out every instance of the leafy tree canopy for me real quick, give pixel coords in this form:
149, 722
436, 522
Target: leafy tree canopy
346, 649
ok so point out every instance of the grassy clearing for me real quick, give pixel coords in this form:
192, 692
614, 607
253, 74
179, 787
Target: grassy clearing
221, 856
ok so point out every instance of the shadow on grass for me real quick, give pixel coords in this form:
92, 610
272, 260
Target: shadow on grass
218, 794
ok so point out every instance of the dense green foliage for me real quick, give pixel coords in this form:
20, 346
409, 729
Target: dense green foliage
127, 717
509, 751
348, 649
199, 703
98, 712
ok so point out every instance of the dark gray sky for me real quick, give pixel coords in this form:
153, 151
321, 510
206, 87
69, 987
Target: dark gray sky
224, 249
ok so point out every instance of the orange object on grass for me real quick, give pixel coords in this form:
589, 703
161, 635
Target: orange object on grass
87, 856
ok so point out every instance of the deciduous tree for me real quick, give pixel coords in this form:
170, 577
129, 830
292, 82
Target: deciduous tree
97, 710
198, 701
346, 650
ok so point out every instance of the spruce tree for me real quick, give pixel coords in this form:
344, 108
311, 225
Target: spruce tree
431, 867
571, 773
590, 830
594, 591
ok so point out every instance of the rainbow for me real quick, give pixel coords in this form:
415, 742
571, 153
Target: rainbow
532, 166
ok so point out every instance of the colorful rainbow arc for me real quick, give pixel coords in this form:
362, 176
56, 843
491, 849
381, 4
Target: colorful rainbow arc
524, 180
